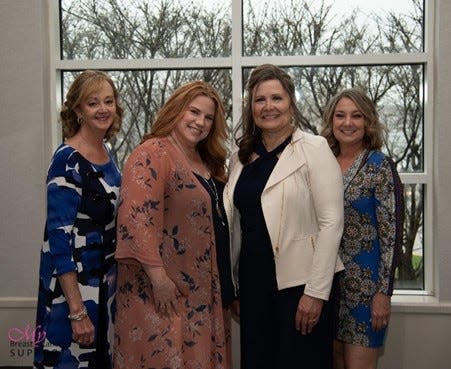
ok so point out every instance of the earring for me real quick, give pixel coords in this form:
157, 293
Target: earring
80, 120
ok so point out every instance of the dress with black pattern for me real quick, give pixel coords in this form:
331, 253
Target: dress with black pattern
80, 236
370, 245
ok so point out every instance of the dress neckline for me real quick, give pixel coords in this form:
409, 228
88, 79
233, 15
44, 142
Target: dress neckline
97, 165
260, 149
352, 171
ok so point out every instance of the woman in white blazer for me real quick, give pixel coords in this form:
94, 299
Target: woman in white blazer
284, 204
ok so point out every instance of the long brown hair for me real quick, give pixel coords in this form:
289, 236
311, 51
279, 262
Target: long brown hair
373, 137
212, 149
249, 133
85, 84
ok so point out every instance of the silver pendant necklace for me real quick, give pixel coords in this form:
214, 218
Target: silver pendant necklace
215, 193
213, 188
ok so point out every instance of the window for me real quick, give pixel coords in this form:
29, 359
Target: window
151, 47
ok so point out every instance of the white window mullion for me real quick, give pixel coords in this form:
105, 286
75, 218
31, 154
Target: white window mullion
142, 64
237, 56
429, 122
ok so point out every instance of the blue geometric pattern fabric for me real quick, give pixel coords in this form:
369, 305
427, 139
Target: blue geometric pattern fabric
80, 236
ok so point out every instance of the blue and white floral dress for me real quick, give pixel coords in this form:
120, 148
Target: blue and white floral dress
80, 236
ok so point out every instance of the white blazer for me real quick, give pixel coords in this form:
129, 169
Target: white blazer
303, 209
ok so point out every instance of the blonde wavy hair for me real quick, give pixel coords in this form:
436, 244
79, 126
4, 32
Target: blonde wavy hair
86, 83
373, 138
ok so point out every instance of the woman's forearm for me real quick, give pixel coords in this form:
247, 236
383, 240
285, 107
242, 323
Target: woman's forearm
69, 285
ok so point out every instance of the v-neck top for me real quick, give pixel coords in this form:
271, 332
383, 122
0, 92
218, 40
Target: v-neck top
353, 169
247, 199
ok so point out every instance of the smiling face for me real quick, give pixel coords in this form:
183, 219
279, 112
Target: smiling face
196, 121
271, 106
348, 124
98, 109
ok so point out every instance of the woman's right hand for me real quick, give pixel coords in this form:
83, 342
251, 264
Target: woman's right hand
83, 331
165, 293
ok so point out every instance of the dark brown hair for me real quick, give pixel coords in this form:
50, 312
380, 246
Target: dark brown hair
249, 133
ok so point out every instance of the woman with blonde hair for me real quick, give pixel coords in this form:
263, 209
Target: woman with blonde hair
77, 270
373, 221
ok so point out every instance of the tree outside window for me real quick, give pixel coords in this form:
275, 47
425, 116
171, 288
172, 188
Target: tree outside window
168, 29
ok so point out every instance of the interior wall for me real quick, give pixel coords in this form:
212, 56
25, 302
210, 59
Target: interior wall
23, 100
442, 150
419, 333
24, 111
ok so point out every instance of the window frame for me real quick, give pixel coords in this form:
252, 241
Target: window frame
236, 62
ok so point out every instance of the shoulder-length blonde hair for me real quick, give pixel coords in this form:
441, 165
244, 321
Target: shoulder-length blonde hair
86, 83
373, 137
211, 149
247, 133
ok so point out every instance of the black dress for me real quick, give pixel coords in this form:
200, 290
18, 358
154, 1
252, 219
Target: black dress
215, 189
258, 285
269, 339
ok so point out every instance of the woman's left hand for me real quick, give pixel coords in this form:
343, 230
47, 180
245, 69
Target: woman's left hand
308, 313
83, 331
380, 311
235, 307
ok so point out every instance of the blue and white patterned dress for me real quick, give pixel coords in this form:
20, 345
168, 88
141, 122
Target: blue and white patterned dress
80, 236
370, 245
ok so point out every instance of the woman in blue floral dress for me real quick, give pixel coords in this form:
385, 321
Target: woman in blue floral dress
77, 268
372, 236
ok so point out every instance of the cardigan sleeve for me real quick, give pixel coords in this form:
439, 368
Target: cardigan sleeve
390, 216
141, 208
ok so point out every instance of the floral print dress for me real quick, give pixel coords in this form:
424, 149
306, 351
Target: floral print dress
80, 236
370, 245
165, 220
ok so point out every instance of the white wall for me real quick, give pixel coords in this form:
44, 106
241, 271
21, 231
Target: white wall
420, 331
23, 160
442, 154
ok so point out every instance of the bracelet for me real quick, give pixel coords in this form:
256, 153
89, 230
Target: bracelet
80, 316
